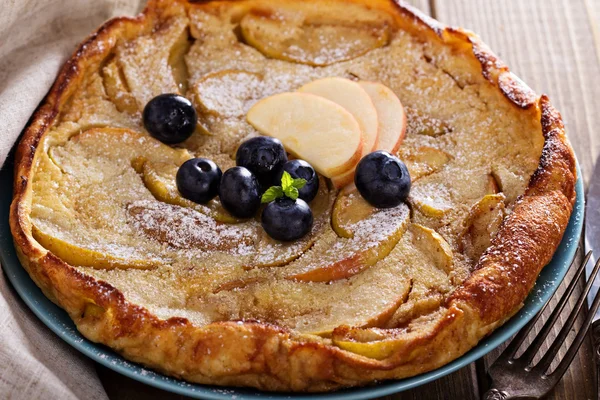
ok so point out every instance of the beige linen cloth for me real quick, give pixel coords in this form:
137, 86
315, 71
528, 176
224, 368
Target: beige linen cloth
36, 37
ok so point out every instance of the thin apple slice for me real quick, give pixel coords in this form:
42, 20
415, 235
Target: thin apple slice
295, 35
227, 93
392, 123
481, 225
423, 161
434, 245
372, 343
349, 209
159, 178
184, 228
117, 90
338, 258
431, 199
392, 118
82, 256
509, 181
318, 308
353, 98
311, 127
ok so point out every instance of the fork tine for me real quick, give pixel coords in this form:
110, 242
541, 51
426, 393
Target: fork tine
537, 342
545, 362
566, 361
518, 340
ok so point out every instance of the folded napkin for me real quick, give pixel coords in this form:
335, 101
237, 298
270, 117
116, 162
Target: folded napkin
36, 38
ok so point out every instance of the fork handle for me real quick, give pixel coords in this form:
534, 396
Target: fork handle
596, 342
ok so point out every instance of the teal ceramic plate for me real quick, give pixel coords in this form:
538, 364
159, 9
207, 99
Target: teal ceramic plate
59, 322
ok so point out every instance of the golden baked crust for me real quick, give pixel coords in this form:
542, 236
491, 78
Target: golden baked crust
271, 357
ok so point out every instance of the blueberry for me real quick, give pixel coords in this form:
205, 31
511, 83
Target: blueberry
170, 118
382, 179
198, 180
240, 192
301, 169
264, 156
286, 219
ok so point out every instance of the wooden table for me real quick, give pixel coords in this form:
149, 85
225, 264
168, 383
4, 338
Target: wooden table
554, 46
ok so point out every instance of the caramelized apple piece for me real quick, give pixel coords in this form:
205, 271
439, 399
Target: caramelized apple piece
337, 258
117, 90
423, 161
184, 228
349, 209
318, 308
431, 199
312, 39
177, 60
81, 256
434, 245
372, 343
481, 225
227, 93
159, 178
510, 183
149, 55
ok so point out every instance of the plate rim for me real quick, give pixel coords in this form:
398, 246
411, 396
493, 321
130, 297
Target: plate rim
39, 304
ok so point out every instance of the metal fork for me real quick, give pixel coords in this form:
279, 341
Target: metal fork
518, 378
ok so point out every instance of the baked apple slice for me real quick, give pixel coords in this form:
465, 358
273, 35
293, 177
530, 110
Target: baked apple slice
311, 127
349, 209
337, 258
227, 93
509, 182
481, 225
149, 55
317, 308
303, 37
85, 256
116, 88
423, 160
434, 245
184, 228
97, 170
159, 178
431, 198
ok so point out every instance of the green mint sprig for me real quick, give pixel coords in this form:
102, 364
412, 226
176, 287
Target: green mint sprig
289, 188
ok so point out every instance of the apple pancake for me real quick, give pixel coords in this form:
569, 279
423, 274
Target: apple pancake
369, 294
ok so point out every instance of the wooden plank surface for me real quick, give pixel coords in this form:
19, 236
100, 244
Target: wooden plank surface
554, 45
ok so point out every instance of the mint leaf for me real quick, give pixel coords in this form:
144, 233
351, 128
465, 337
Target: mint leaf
299, 183
286, 180
289, 188
291, 192
272, 193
